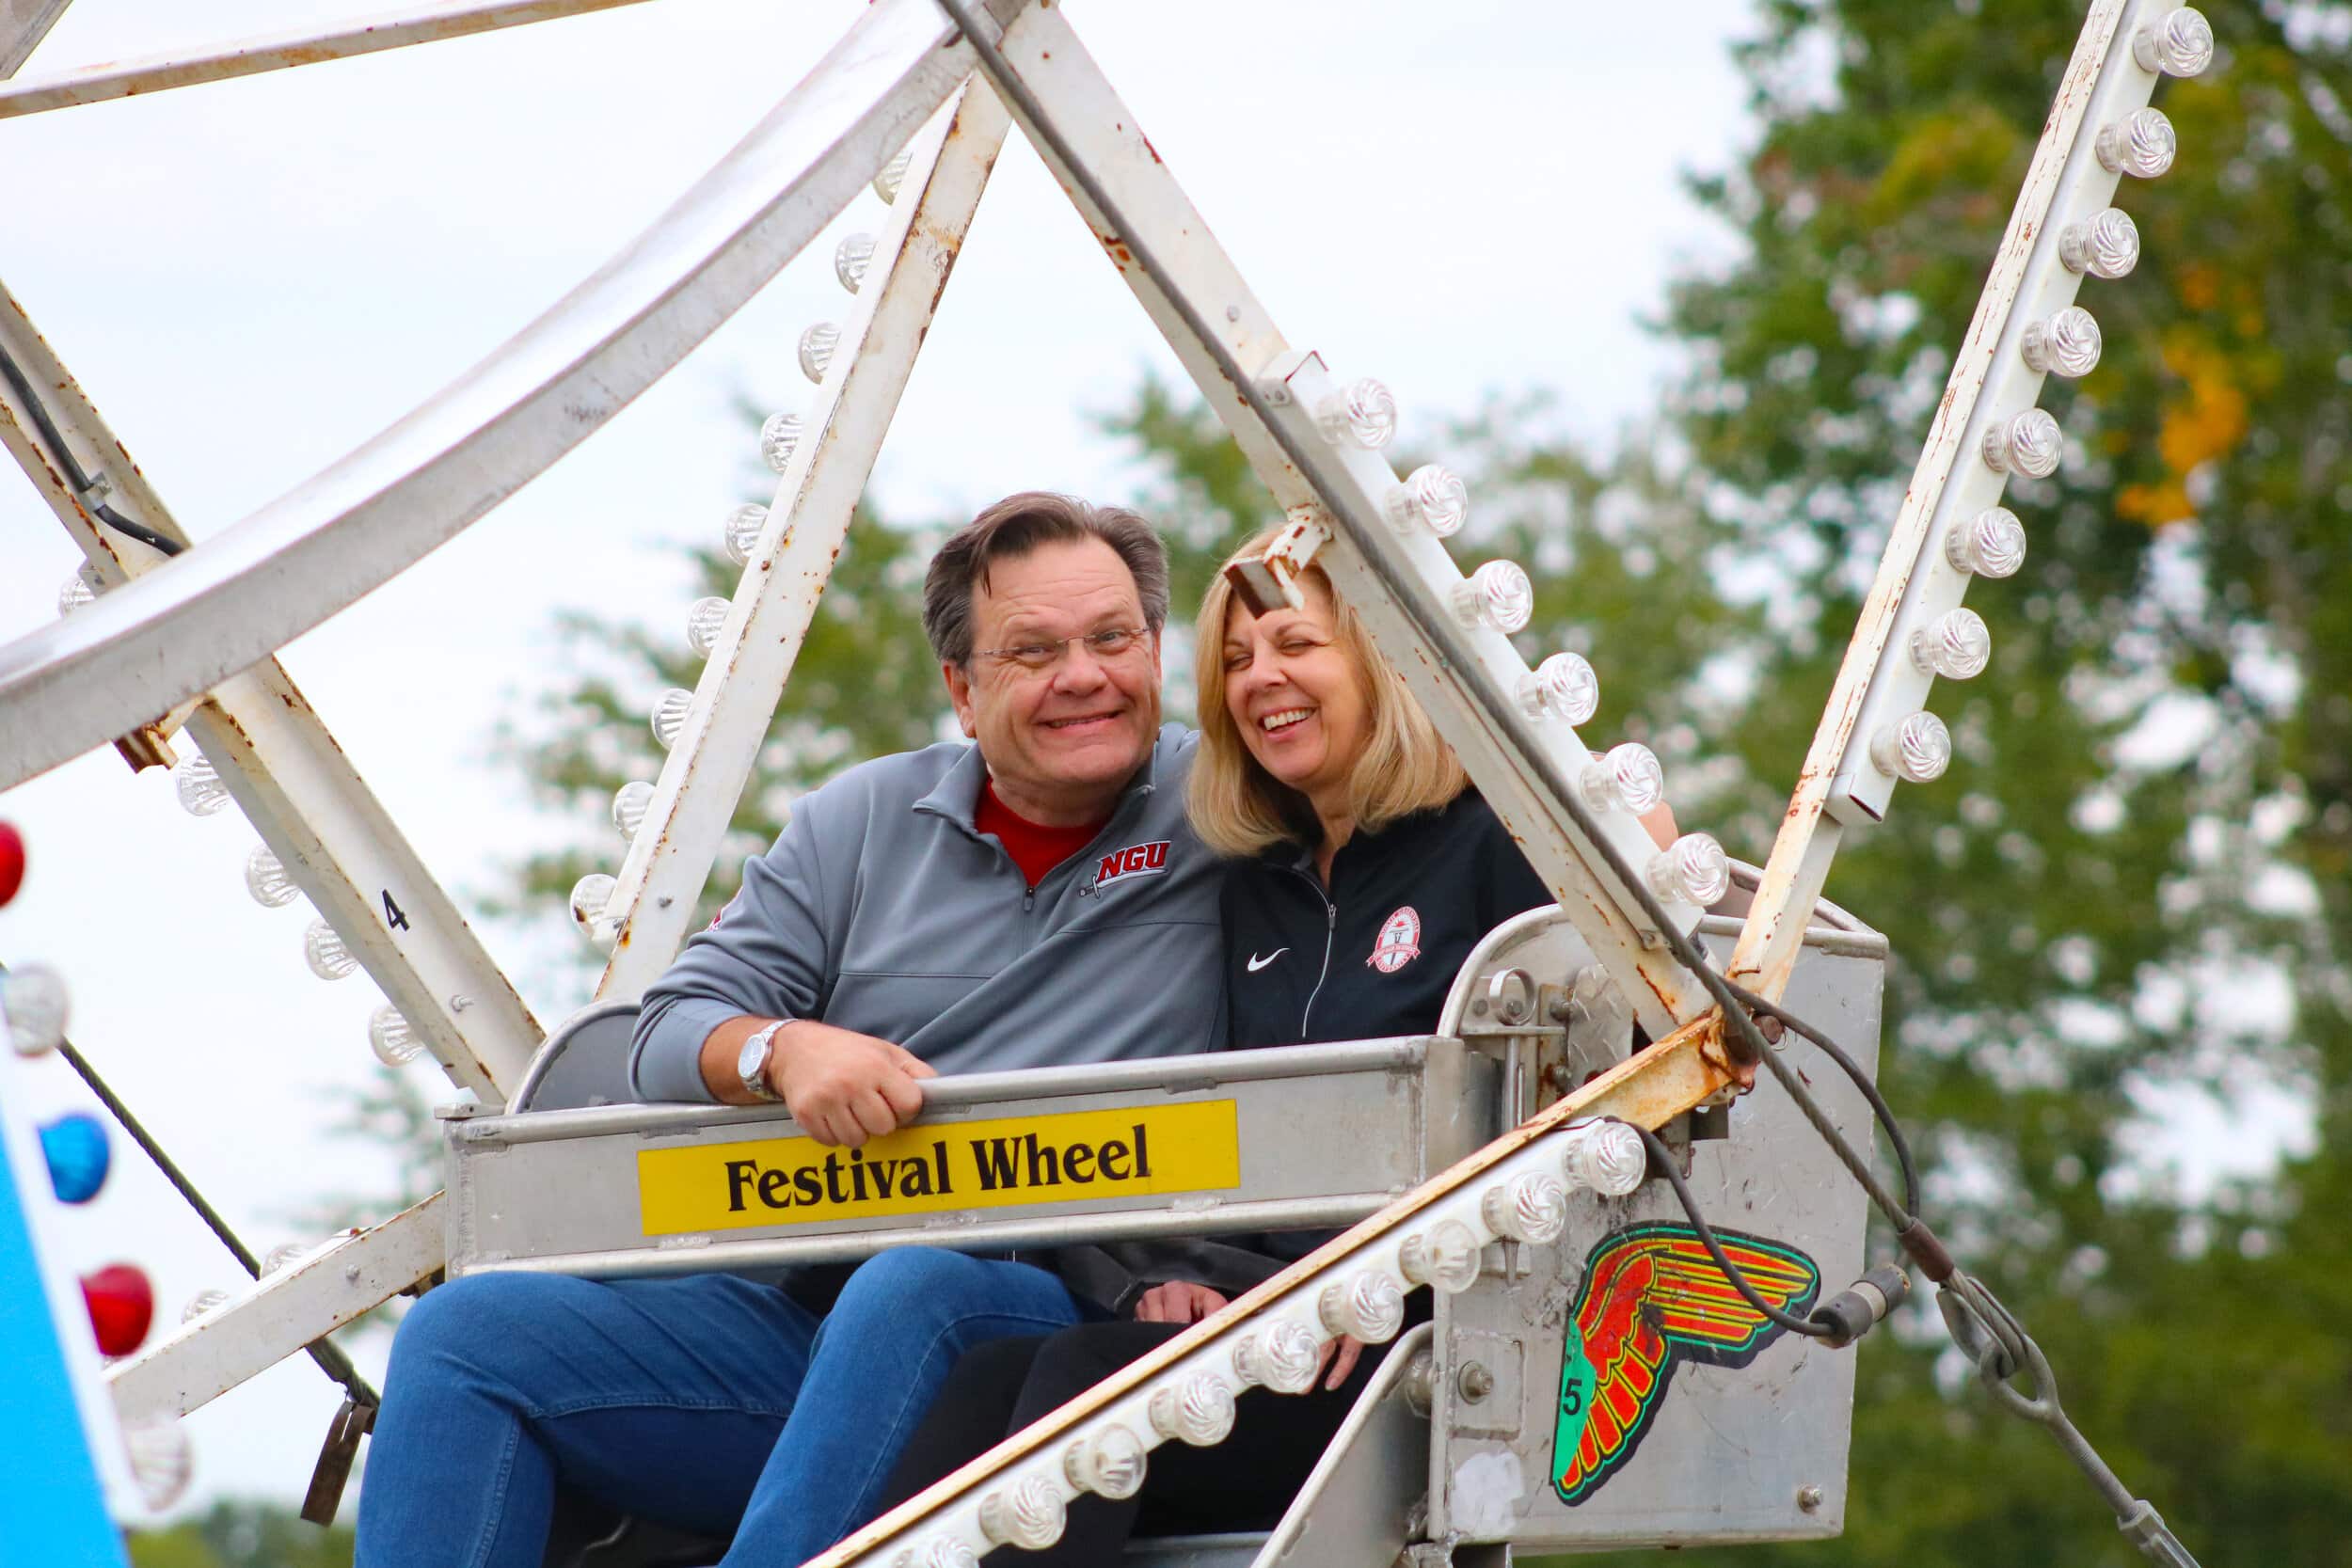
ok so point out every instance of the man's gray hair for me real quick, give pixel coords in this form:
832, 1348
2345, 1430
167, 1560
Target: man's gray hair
1014, 527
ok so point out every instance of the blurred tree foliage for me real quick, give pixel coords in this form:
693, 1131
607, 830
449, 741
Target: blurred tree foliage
242, 1535
2120, 918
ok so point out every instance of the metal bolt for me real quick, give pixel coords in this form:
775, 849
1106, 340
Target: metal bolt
351, 1273
1233, 312
459, 1003
1473, 1382
1809, 1498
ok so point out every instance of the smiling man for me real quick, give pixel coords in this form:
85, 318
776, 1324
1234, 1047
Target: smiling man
1032, 898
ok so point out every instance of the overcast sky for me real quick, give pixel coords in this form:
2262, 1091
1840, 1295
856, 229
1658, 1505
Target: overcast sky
251, 279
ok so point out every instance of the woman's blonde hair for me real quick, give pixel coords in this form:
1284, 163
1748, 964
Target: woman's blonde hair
1238, 808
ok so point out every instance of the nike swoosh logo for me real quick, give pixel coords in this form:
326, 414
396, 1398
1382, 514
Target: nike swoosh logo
1257, 963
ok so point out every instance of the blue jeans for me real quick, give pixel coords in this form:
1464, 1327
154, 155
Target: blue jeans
709, 1402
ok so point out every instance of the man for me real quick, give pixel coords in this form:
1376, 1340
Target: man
950, 910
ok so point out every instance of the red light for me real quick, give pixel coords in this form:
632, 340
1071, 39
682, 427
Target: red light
122, 1304
11, 863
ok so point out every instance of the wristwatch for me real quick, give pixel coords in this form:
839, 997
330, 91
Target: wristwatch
750, 1066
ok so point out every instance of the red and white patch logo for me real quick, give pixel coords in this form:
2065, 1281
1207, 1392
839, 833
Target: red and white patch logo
1399, 942
1137, 860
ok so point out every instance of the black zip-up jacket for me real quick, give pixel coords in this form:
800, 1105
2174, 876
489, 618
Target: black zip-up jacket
1372, 960
1377, 954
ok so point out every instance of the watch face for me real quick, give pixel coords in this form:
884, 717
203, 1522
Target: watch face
750, 1066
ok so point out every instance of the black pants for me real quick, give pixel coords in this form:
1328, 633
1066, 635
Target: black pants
1244, 1483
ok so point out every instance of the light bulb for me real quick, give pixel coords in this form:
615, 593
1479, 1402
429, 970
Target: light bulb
2106, 245
1992, 544
1362, 414
322, 949
1444, 1257
630, 804
592, 895
161, 1459
892, 175
201, 793
1028, 1514
1916, 749
1431, 498
1563, 685
1284, 1355
283, 1254
73, 1146
2141, 144
389, 1036
1693, 870
2028, 443
669, 714
742, 532
704, 619
1956, 645
1497, 594
779, 437
1629, 778
122, 1307
1111, 1463
1608, 1157
817, 346
1532, 1208
851, 259
201, 1303
1370, 1306
33, 1000
73, 595
266, 878
2067, 345
1198, 1410
2178, 44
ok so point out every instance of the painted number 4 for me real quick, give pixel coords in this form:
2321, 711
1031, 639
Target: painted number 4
392, 915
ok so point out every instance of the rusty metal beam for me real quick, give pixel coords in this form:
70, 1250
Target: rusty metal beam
735, 702
278, 1314
23, 24
271, 51
282, 766
264, 581
1989, 381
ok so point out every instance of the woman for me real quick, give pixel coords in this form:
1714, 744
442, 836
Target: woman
1364, 870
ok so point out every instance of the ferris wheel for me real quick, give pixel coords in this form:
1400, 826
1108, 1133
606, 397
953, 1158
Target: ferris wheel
167, 651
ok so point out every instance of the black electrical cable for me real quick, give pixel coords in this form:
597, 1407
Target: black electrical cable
1661, 1160
1852, 1069
74, 474
329, 1355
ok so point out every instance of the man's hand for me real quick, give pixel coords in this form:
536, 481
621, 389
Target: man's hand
1177, 1302
845, 1087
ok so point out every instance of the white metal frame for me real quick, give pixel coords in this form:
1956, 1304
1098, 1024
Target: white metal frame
164, 637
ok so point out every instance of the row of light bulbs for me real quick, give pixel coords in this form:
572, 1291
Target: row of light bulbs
1499, 595
201, 792
779, 438
1957, 645
1525, 1202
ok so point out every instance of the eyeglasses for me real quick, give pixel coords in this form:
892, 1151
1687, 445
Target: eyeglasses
1044, 655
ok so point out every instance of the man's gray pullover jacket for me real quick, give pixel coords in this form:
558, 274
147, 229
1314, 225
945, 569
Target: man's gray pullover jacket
883, 909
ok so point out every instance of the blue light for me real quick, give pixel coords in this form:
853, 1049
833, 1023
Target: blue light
75, 1147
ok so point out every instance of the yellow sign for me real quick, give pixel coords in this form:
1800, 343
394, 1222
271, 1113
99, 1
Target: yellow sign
973, 1164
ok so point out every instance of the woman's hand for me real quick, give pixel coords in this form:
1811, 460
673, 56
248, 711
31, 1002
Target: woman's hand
1177, 1302
1348, 1348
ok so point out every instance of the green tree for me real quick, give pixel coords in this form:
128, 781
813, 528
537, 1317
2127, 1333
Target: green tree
2134, 878
237, 1534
